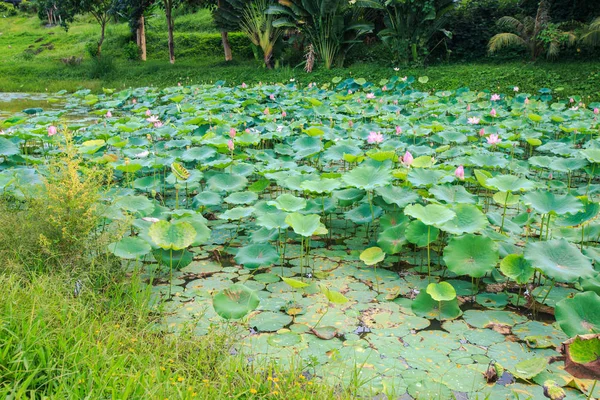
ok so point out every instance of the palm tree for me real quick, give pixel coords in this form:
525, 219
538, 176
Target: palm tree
530, 34
591, 36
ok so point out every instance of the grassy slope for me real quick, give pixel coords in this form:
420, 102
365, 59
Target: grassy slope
44, 72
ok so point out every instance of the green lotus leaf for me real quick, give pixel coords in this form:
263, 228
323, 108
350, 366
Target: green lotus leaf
8, 148
442, 291
321, 186
420, 234
227, 182
325, 332
296, 284
558, 260
468, 219
237, 213
428, 177
372, 255
288, 203
347, 197
304, 225
397, 195
392, 239
241, 198
425, 306
510, 183
451, 194
579, 315
333, 296
367, 177
272, 220
471, 255
268, 321
589, 212
177, 259
592, 155
431, 214
527, 369
517, 268
284, 339
235, 302
257, 255
364, 214
545, 202
130, 248
206, 198
172, 236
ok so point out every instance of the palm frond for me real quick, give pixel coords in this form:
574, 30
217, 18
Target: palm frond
511, 23
503, 40
553, 50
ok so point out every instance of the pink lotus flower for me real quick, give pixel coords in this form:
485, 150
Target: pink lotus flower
153, 119
108, 114
244, 86
407, 159
482, 132
272, 97
358, 100
404, 79
596, 111
267, 111
384, 88
230, 145
526, 100
493, 139
468, 107
349, 91
395, 102
516, 89
232, 133
493, 112
351, 124
370, 95
283, 114
178, 83
460, 173
375, 137
148, 113
571, 100
134, 101
158, 124
473, 120
247, 130
495, 97
398, 130
52, 130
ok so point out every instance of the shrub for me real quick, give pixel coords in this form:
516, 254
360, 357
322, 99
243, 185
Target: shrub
56, 225
102, 67
132, 51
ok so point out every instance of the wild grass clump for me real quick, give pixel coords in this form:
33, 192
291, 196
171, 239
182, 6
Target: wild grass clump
59, 225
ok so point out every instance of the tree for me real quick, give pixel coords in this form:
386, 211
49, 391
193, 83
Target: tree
591, 35
56, 12
101, 10
251, 18
134, 11
410, 25
535, 34
331, 26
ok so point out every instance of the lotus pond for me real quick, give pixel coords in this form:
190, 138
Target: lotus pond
431, 244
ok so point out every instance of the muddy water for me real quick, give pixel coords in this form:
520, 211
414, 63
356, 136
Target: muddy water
15, 103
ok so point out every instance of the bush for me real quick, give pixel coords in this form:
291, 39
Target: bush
102, 67
200, 45
132, 51
7, 11
56, 224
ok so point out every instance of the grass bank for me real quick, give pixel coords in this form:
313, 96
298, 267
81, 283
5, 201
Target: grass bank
31, 55
104, 344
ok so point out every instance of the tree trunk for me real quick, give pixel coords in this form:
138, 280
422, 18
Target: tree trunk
267, 58
168, 13
102, 28
226, 46
141, 37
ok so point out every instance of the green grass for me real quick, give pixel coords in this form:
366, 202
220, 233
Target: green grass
199, 60
104, 344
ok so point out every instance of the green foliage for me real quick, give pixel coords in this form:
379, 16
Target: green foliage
331, 26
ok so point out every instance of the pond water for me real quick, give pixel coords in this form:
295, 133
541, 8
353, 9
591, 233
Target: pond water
34, 103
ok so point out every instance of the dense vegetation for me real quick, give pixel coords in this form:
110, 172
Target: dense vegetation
37, 57
376, 238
